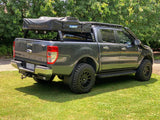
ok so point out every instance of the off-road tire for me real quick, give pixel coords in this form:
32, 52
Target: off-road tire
82, 78
144, 71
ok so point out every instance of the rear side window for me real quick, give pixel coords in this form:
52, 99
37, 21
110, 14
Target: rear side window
68, 36
107, 35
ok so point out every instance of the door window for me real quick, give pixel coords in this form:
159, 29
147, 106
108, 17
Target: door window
107, 35
82, 37
123, 38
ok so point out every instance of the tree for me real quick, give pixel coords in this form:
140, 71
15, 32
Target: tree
142, 17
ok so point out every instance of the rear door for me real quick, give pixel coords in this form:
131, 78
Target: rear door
109, 49
129, 51
32, 51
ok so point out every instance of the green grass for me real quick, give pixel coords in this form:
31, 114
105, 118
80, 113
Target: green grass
117, 98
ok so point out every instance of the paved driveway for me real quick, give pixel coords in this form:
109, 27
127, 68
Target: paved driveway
6, 66
156, 67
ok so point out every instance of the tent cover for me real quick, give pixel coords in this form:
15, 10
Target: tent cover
61, 23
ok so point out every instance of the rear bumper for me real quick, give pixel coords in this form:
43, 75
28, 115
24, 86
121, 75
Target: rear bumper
41, 70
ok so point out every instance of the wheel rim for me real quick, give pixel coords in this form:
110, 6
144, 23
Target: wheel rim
147, 70
85, 78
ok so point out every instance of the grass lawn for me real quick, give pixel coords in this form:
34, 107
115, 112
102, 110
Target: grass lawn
116, 98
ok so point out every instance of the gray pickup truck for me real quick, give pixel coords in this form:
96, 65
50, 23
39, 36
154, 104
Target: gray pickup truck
79, 52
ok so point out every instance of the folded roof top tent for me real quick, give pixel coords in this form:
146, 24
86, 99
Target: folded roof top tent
71, 24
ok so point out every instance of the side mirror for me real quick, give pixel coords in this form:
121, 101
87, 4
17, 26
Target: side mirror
137, 42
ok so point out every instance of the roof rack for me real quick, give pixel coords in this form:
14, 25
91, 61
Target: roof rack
62, 23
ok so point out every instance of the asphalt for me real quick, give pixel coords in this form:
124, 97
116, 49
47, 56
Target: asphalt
6, 66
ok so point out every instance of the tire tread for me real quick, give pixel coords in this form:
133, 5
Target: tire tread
139, 73
74, 86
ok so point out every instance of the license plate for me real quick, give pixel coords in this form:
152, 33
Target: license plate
30, 66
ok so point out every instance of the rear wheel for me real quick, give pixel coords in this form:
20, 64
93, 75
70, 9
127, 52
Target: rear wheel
82, 78
144, 71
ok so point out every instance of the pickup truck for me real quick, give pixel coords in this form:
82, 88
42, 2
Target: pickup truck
79, 52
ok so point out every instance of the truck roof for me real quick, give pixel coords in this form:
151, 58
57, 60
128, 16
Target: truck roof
70, 24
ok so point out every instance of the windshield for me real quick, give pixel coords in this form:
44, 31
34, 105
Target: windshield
131, 33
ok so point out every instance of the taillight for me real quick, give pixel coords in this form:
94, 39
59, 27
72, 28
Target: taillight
14, 49
52, 54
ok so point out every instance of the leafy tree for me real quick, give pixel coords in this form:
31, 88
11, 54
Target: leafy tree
143, 17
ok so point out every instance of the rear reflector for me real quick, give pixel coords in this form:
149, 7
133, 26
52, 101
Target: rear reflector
14, 49
52, 54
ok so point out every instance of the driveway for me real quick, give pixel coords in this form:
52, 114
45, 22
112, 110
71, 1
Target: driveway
156, 67
6, 66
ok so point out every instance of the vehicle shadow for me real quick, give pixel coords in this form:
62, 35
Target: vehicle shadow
58, 92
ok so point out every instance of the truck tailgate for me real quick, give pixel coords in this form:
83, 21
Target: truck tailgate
32, 51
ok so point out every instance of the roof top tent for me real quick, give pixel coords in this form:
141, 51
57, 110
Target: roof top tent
62, 23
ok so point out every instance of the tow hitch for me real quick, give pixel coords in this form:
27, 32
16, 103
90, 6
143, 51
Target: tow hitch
24, 75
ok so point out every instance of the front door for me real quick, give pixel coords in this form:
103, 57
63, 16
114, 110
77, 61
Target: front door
129, 51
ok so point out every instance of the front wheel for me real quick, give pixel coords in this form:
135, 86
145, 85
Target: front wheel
144, 71
82, 78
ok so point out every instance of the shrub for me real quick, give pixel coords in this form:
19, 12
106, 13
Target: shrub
5, 50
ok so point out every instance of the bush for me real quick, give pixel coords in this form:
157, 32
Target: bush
5, 50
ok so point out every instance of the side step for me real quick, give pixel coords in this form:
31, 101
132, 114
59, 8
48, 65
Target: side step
117, 73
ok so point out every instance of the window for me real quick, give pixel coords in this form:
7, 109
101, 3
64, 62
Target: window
67, 36
124, 38
107, 35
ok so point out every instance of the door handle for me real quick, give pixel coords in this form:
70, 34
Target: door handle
106, 47
124, 48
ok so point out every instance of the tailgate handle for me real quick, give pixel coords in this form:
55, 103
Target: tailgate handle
29, 51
